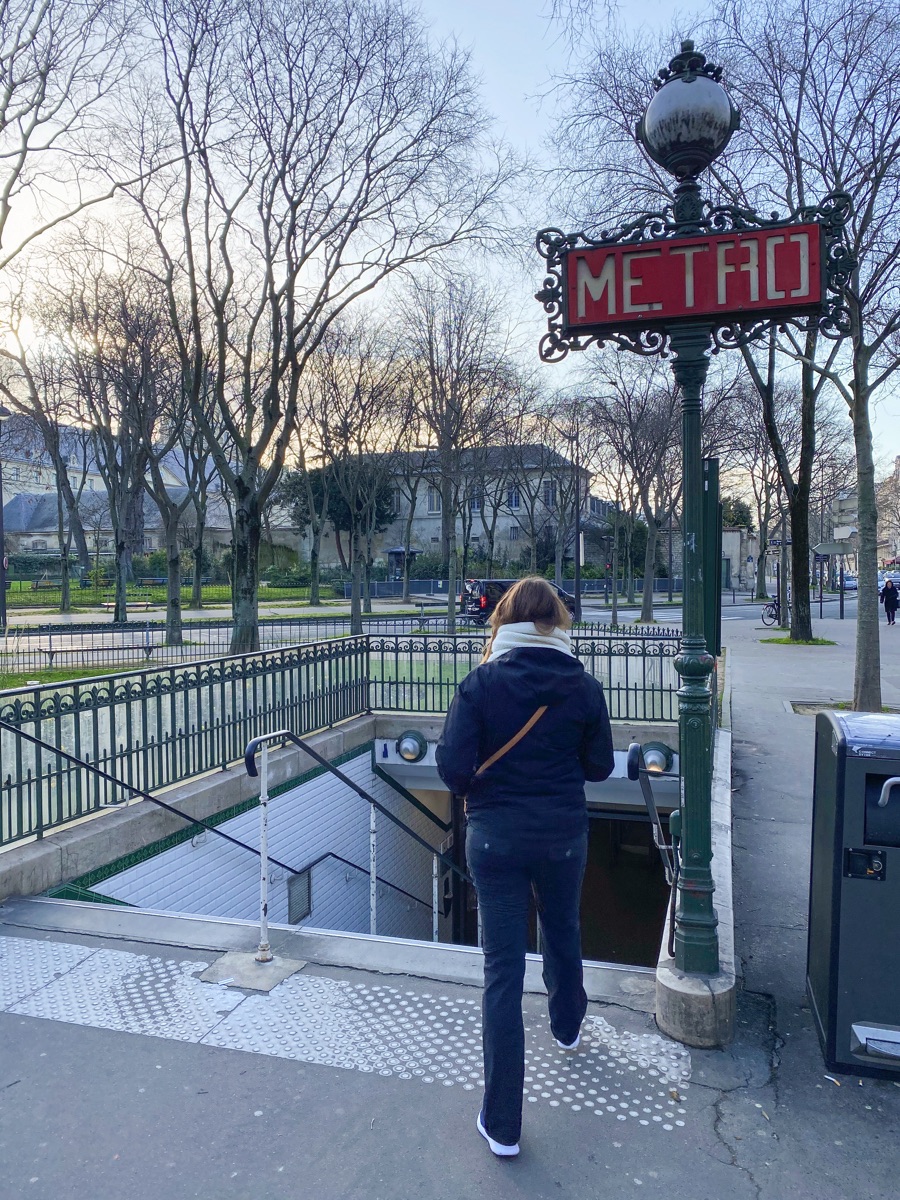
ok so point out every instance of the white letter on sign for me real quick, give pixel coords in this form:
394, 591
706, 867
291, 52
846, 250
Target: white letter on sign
802, 240
751, 266
772, 293
689, 252
629, 283
597, 284
723, 269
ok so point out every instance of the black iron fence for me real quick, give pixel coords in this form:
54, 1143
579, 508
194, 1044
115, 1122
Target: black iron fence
154, 727
420, 673
31, 649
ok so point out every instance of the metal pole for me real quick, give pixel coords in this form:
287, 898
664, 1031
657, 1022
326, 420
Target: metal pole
435, 876
264, 953
696, 938
841, 589
373, 877
577, 524
821, 581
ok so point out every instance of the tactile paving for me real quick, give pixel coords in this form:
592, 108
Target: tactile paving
411, 1033
27, 965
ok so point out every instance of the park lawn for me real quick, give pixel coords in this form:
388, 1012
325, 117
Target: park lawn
19, 680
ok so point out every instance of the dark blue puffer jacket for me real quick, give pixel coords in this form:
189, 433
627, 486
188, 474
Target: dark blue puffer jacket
536, 791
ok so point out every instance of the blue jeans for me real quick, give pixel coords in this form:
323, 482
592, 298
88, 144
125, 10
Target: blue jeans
505, 875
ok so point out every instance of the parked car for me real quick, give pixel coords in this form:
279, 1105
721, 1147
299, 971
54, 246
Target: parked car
851, 584
479, 598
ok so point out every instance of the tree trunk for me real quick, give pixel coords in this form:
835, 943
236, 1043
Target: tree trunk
367, 580
649, 571
315, 547
761, 592
122, 571
451, 584
783, 599
801, 608
197, 569
355, 585
407, 542
174, 634
245, 576
65, 602
558, 557
867, 676
614, 616
629, 567
340, 548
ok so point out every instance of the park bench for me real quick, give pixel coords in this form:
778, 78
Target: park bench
78, 653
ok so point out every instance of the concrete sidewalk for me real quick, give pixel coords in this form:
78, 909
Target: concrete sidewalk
119, 1105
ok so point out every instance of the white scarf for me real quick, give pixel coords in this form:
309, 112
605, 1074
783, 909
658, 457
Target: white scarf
525, 633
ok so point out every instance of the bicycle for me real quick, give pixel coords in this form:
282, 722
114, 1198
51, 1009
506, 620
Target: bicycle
771, 613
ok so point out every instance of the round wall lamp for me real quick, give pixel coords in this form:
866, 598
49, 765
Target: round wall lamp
658, 757
411, 746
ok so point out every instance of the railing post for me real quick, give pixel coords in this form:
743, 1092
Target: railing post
373, 877
434, 897
264, 953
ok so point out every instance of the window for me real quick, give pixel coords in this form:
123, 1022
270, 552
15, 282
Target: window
435, 539
514, 532
549, 494
475, 501
395, 502
434, 500
513, 499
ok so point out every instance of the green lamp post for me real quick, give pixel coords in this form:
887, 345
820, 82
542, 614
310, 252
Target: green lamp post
687, 124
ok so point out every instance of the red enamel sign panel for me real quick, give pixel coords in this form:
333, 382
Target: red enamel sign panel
762, 271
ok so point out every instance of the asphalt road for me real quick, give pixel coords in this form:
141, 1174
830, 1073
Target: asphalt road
739, 610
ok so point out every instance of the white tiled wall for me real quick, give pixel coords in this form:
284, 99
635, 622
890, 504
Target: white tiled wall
207, 875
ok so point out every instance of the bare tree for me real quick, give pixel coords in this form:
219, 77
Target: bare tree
109, 340
59, 62
33, 382
322, 145
817, 81
461, 382
363, 377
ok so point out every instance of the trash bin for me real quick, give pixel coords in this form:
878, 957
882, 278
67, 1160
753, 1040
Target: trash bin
853, 953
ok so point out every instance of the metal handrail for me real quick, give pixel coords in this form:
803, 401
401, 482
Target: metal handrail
285, 735
136, 791
356, 867
205, 825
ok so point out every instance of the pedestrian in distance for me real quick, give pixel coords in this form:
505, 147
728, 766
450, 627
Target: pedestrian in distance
890, 598
525, 730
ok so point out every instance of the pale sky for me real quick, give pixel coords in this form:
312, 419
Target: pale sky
516, 50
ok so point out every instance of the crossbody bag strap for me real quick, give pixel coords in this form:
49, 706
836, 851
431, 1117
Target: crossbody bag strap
513, 741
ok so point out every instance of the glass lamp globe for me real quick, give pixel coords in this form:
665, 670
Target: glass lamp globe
690, 120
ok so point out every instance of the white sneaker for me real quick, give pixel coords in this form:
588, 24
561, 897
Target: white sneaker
572, 1046
498, 1148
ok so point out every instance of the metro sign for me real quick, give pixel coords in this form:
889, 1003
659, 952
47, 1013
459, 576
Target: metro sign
744, 274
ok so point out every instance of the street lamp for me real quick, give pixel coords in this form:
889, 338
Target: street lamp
686, 125
4, 415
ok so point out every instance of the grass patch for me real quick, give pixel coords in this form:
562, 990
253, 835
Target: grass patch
9, 679
786, 641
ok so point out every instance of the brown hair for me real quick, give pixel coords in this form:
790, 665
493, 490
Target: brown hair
531, 599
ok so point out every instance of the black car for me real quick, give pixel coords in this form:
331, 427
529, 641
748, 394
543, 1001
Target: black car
480, 596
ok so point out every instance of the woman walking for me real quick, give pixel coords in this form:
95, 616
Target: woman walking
524, 732
890, 598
